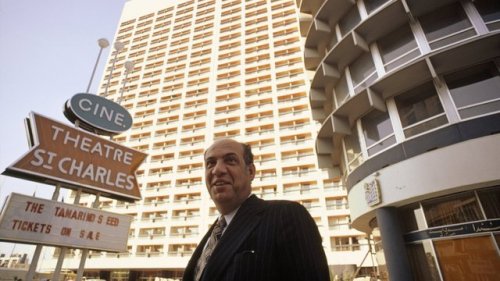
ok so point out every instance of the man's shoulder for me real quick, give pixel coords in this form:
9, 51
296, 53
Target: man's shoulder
282, 204
275, 205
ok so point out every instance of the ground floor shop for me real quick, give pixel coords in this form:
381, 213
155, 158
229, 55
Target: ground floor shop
448, 238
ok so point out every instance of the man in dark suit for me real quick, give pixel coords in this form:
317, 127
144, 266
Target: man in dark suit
253, 239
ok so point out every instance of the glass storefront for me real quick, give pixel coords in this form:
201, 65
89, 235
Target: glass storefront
453, 238
469, 258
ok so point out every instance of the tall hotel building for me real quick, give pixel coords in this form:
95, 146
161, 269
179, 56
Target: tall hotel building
408, 94
205, 70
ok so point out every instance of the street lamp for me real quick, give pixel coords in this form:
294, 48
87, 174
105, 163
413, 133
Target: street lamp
103, 44
129, 66
118, 46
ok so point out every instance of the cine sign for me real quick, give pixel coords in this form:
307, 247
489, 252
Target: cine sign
98, 114
32, 220
78, 159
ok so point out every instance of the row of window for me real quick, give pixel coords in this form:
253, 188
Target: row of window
180, 55
297, 118
336, 223
448, 25
229, 81
176, 64
177, 34
465, 94
349, 243
262, 143
295, 110
192, 100
196, 180
329, 185
170, 104
154, 209
185, 14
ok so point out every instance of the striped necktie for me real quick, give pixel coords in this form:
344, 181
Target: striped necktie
207, 252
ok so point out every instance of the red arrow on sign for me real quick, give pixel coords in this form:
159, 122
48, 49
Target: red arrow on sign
78, 159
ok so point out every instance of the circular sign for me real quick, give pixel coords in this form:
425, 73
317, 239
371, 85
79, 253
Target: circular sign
97, 114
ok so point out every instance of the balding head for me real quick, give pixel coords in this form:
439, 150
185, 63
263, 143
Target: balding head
229, 171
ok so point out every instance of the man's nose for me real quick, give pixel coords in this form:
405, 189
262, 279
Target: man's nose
219, 168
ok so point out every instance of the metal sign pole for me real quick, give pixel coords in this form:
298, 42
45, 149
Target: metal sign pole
60, 260
34, 263
38, 249
85, 252
62, 254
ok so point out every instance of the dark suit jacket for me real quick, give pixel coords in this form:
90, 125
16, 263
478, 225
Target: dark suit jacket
265, 241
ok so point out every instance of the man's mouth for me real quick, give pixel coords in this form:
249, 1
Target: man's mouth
220, 183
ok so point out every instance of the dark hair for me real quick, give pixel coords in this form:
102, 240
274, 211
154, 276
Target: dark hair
247, 154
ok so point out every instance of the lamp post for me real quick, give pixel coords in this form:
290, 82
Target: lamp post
103, 44
129, 66
118, 46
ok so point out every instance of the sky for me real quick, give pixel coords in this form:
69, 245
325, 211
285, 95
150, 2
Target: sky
47, 52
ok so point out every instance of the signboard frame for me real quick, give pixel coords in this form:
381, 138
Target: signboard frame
98, 114
58, 224
32, 175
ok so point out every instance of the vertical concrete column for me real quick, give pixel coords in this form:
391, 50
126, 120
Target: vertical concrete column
394, 246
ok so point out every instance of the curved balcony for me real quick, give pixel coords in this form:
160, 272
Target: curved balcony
337, 124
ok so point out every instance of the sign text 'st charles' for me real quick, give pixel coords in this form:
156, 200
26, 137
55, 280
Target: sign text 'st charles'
79, 160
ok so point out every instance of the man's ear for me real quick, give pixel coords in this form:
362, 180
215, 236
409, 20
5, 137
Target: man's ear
251, 170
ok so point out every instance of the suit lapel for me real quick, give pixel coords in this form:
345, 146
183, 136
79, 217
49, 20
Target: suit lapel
245, 220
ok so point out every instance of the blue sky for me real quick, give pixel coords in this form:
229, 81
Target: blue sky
47, 53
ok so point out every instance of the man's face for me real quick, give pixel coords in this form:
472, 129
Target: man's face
228, 178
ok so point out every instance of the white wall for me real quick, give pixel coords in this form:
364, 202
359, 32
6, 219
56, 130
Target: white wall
467, 165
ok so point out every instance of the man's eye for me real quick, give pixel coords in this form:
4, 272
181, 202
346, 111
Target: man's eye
231, 160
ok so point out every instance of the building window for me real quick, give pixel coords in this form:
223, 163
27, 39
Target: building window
489, 201
341, 91
420, 110
353, 150
331, 43
470, 258
372, 5
339, 223
446, 25
337, 204
423, 262
412, 218
363, 72
459, 258
378, 132
349, 20
344, 244
476, 90
398, 47
490, 12
454, 209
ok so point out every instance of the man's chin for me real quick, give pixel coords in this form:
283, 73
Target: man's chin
223, 196
221, 190
219, 196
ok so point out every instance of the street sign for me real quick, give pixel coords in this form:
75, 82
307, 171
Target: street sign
27, 219
97, 114
78, 159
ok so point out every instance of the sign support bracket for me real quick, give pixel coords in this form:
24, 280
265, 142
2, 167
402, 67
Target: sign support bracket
38, 249
34, 262
62, 254
85, 252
